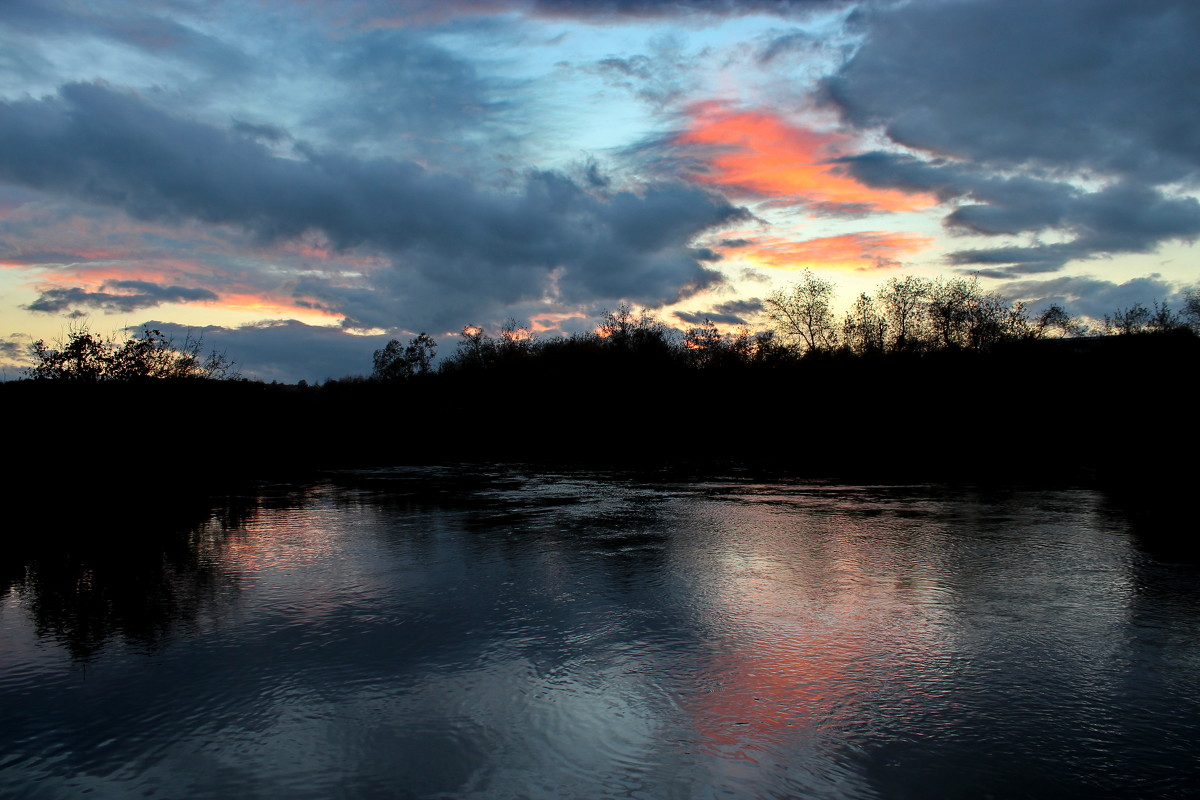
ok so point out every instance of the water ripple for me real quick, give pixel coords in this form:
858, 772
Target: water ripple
504, 634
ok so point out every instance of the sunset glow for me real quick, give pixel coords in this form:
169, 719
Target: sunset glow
334, 169
861, 251
275, 306
759, 154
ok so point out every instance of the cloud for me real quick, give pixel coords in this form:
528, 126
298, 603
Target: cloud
730, 313
13, 347
456, 250
1076, 117
153, 34
660, 78
130, 296
1089, 85
864, 250
1123, 217
286, 351
750, 306
781, 44
1090, 296
14, 355
396, 84
760, 155
272, 134
425, 11
654, 8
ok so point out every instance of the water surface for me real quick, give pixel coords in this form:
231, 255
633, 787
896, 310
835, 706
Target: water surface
501, 633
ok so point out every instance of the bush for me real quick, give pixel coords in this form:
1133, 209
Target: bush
89, 357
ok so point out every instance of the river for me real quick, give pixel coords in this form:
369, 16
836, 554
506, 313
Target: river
510, 633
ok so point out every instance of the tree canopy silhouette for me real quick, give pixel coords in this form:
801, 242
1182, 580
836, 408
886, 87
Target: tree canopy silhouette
90, 357
803, 314
396, 362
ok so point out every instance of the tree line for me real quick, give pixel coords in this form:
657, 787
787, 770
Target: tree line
908, 314
90, 357
929, 379
914, 314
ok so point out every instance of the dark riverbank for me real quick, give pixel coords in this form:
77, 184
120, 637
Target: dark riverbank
1113, 413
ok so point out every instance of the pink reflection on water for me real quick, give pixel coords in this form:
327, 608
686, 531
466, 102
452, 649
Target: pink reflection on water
804, 609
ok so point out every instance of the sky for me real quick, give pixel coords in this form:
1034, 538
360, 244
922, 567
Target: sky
297, 182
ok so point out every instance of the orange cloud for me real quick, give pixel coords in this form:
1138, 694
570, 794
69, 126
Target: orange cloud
231, 296
866, 250
274, 306
552, 321
759, 154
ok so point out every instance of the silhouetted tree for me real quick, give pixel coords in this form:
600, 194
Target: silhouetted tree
1133, 319
86, 356
636, 333
703, 345
1159, 318
903, 304
516, 342
994, 320
1055, 319
804, 313
83, 356
746, 347
864, 330
963, 316
1163, 318
476, 350
1191, 309
950, 309
396, 362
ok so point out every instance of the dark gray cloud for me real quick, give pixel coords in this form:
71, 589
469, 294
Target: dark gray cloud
751, 306
702, 318
652, 8
730, 313
1091, 85
1020, 99
128, 296
1089, 296
1121, 219
396, 82
286, 351
456, 249
13, 347
607, 9
14, 356
1125, 217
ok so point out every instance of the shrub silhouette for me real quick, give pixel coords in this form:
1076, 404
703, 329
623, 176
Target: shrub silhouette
89, 357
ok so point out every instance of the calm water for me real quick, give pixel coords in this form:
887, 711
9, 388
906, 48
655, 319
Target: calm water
507, 634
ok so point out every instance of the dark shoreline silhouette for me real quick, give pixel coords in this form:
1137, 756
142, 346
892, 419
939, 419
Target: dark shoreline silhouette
1106, 411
